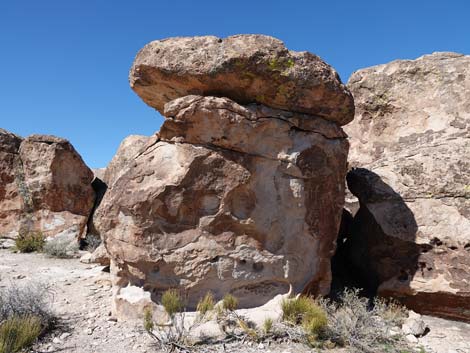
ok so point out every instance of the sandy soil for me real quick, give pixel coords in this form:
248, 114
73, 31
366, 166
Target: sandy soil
82, 300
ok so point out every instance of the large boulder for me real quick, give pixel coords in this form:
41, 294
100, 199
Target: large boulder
46, 187
227, 198
127, 150
245, 68
411, 142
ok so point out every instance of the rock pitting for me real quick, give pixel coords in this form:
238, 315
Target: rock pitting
230, 197
411, 140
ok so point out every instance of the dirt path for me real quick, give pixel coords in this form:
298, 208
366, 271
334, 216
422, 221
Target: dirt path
82, 295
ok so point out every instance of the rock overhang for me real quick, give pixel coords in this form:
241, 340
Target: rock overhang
245, 68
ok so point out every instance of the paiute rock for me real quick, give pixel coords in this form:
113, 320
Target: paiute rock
128, 148
229, 199
46, 187
411, 142
244, 68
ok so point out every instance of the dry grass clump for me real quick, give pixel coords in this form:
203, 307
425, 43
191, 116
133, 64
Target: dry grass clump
25, 314
27, 242
18, 332
268, 326
307, 313
229, 302
205, 304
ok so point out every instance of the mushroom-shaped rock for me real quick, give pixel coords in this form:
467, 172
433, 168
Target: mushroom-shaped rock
244, 68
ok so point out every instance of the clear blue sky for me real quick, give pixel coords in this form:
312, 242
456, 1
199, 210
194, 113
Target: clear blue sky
64, 63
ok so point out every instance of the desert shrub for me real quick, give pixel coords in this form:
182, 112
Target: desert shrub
229, 302
19, 332
32, 299
365, 328
29, 242
91, 242
390, 311
205, 304
61, 247
25, 313
172, 302
175, 334
307, 313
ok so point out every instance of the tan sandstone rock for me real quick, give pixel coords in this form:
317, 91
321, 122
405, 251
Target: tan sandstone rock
245, 68
47, 187
228, 198
411, 140
128, 148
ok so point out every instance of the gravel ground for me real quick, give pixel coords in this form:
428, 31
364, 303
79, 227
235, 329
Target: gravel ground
82, 295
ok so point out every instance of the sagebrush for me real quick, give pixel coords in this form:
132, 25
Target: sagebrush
364, 326
61, 247
25, 313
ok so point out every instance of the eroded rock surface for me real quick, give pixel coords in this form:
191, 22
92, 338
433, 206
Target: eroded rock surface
245, 68
411, 140
128, 148
11, 202
45, 186
227, 197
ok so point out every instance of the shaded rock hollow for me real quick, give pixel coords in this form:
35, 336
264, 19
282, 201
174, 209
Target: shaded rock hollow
230, 197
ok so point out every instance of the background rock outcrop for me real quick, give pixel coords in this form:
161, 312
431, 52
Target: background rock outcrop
411, 142
45, 186
229, 197
11, 202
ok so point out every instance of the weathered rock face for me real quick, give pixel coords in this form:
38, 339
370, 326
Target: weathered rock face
228, 198
45, 186
128, 148
11, 202
411, 138
245, 68
105, 177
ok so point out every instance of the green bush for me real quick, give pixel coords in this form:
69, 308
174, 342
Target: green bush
19, 332
230, 302
30, 242
205, 304
172, 302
